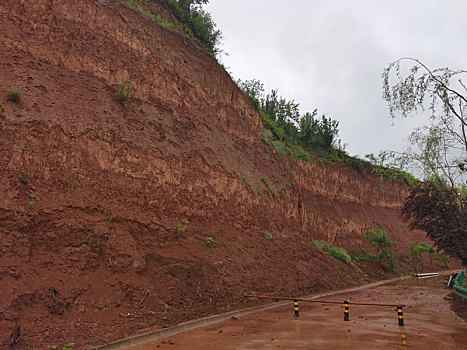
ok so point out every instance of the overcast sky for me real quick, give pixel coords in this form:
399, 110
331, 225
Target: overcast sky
330, 55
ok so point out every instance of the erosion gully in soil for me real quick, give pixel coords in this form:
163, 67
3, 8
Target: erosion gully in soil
104, 210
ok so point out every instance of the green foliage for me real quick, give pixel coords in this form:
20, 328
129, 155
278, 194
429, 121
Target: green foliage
139, 5
270, 187
306, 136
336, 252
281, 147
416, 254
2, 111
24, 180
416, 251
31, 203
442, 257
318, 133
179, 228
195, 22
380, 239
123, 91
228, 258
302, 137
389, 172
210, 243
267, 136
164, 23
68, 346
13, 94
437, 151
366, 256
266, 234
283, 119
428, 248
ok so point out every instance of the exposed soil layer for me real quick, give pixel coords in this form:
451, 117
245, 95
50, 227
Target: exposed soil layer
428, 324
106, 212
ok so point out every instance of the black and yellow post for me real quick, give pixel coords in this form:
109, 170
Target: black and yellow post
403, 338
346, 310
400, 315
295, 307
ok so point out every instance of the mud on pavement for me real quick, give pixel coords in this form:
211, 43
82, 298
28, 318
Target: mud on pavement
429, 323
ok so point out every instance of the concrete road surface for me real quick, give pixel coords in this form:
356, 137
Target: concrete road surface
429, 323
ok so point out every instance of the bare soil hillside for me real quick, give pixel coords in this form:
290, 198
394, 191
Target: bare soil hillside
106, 212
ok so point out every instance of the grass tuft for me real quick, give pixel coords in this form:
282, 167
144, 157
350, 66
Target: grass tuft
336, 252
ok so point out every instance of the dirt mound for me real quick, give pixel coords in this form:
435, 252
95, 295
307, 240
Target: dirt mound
116, 220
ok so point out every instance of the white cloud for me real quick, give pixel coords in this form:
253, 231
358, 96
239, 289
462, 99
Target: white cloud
330, 54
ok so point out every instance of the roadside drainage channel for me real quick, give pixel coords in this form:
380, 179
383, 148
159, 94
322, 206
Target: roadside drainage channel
186, 326
144, 338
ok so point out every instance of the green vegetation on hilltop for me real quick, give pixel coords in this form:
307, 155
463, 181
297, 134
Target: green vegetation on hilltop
296, 132
309, 135
191, 20
195, 21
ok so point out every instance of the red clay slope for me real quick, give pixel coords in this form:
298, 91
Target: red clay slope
90, 192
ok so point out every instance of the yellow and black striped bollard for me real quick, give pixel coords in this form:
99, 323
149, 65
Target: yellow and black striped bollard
346, 310
400, 315
403, 339
295, 307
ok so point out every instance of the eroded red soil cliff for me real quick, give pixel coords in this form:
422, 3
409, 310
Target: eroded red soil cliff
91, 192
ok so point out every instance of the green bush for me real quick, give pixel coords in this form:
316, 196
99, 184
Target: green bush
195, 22
139, 5
442, 257
13, 94
267, 136
380, 239
266, 234
281, 147
366, 256
123, 91
209, 242
336, 252
179, 228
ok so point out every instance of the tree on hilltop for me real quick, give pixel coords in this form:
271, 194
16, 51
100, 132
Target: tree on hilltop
438, 151
187, 4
